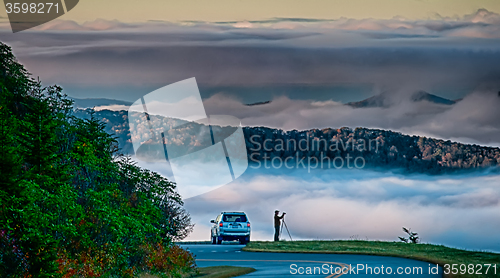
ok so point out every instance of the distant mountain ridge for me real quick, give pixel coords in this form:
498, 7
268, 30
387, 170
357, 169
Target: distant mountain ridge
83, 103
384, 100
412, 154
422, 95
258, 103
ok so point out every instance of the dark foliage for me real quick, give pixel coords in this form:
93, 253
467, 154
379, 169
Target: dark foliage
70, 204
379, 148
412, 236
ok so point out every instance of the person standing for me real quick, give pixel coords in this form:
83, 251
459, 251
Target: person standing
277, 224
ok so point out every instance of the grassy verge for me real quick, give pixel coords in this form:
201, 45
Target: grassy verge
437, 254
214, 272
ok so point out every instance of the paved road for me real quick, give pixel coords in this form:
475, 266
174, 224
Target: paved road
325, 265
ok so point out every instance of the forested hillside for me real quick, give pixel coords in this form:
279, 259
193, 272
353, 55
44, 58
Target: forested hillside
389, 150
378, 148
70, 204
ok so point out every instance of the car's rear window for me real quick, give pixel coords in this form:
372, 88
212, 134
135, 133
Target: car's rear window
234, 218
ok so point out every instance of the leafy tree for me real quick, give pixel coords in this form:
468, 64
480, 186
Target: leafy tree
69, 206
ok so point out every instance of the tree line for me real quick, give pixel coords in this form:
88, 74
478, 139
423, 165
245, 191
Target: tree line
71, 205
393, 150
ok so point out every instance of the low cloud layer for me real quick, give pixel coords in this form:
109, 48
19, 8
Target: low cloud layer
471, 120
124, 60
338, 204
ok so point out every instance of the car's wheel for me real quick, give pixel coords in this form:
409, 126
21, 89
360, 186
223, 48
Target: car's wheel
218, 240
214, 240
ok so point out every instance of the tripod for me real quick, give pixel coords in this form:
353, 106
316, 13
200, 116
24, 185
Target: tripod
286, 227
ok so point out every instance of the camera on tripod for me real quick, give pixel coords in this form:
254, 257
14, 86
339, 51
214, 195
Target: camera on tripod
283, 223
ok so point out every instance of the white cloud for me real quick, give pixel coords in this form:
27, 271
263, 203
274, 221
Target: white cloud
96, 25
483, 16
115, 107
337, 204
482, 23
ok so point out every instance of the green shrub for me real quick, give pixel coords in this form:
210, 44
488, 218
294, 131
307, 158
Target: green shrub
70, 205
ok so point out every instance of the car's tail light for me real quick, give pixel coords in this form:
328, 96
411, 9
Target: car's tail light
220, 224
248, 224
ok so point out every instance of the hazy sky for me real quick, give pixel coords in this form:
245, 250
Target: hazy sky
230, 10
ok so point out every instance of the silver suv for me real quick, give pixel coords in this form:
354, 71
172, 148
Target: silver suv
230, 226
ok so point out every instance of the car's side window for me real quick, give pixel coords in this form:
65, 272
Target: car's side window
218, 218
